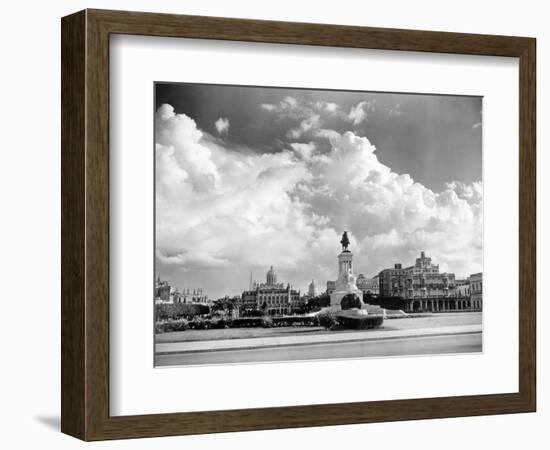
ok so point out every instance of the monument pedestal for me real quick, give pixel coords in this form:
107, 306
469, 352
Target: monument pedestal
346, 285
337, 296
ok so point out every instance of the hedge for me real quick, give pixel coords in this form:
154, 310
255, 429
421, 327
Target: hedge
171, 325
327, 321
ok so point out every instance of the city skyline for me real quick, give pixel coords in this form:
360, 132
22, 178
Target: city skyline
253, 280
252, 177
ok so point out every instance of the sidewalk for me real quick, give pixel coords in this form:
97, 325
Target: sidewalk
329, 338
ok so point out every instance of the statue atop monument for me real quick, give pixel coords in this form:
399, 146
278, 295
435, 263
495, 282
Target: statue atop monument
345, 241
346, 283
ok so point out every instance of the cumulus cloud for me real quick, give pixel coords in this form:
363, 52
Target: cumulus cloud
287, 107
304, 110
328, 107
310, 116
307, 115
268, 107
310, 123
217, 208
222, 125
360, 112
303, 151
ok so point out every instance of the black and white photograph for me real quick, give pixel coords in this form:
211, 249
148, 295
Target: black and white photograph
275, 225
297, 224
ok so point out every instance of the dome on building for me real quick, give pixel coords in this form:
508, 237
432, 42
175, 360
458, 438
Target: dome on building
271, 277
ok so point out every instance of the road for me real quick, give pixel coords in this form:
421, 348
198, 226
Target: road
460, 343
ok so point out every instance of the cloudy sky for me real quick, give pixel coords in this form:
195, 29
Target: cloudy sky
250, 177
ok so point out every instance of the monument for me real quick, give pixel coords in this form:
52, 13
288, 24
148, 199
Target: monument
346, 294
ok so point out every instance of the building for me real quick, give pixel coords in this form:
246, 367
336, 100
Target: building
391, 282
462, 288
476, 291
312, 289
331, 286
272, 297
423, 285
165, 293
191, 296
369, 286
248, 303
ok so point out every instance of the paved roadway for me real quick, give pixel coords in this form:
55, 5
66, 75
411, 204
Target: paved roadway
461, 343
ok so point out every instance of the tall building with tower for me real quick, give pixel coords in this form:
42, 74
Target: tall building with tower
312, 290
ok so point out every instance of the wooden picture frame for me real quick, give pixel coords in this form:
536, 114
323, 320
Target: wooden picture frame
85, 224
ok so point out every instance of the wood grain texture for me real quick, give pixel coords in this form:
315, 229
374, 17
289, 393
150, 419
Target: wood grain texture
73, 227
527, 225
85, 224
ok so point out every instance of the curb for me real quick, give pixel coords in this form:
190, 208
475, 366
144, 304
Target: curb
298, 344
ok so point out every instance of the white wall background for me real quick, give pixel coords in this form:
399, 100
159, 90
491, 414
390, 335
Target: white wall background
30, 225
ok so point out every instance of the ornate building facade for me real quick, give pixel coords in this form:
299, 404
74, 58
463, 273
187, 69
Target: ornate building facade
476, 290
191, 296
272, 297
462, 288
165, 293
369, 286
423, 285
